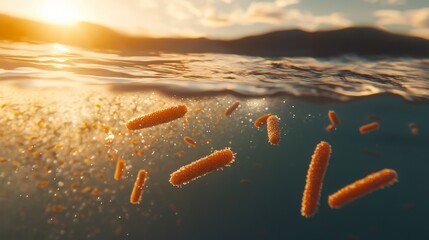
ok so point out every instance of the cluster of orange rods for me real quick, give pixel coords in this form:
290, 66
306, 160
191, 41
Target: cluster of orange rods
222, 158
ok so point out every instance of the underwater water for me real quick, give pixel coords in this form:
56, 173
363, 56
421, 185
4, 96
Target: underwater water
63, 113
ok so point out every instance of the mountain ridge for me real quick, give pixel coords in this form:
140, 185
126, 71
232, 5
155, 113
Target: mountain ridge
360, 41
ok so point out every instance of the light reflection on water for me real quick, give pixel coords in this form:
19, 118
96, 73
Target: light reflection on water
57, 127
342, 78
72, 139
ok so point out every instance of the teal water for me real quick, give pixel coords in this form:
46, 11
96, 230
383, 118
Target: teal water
70, 134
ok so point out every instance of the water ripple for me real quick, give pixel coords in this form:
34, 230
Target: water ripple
343, 78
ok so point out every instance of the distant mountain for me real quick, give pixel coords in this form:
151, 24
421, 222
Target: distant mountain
362, 41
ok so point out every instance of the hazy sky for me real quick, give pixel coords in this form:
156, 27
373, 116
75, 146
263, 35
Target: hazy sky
227, 18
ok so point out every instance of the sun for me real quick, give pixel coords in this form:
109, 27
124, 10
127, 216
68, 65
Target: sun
59, 11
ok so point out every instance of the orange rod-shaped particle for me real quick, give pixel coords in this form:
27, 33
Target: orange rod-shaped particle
201, 167
138, 187
261, 120
329, 128
158, 117
372, 182
374, 117
315, 174
245, 181
231, 108
273, 129
335, 121
414, 129
43, 184
86, 189
369, 127
190, 141
120, 165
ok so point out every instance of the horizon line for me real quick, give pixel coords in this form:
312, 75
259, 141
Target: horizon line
231, 38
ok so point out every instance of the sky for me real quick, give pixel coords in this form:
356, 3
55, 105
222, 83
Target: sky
227, 19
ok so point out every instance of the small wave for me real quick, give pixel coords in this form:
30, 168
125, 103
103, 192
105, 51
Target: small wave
342, 78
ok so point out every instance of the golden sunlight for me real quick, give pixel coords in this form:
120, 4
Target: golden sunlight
59, 11
59, 48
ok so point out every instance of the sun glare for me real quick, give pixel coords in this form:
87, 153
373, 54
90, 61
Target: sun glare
59, 48
59, 11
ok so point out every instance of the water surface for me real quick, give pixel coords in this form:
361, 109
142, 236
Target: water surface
62, 123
